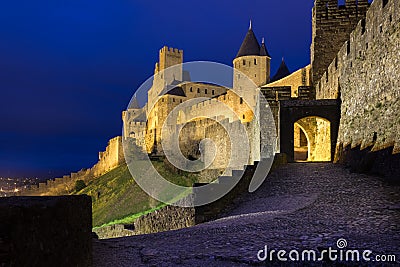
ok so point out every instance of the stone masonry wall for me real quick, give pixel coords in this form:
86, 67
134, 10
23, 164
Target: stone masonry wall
298, 78
166, 219
365, 75
46, 231
332, 25
112, 157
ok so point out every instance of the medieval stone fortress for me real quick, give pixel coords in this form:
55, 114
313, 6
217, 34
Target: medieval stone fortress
343, 108
346, 44
354, 55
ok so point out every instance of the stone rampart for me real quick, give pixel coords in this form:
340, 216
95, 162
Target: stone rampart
46, 231
112, 157
365, 76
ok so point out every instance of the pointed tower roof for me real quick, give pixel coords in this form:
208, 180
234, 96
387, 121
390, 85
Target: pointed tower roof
282, 72
134, 104
263, 49
250, 45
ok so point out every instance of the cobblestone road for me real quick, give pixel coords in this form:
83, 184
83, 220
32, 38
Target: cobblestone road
300, 206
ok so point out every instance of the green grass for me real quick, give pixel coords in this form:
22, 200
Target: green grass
121, 200
131, 218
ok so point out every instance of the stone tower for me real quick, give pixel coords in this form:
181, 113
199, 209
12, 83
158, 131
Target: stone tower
133, 119
171, 58
331, 28
252, 60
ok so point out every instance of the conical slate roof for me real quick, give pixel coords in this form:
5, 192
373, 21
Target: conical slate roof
173, 90
263, 49
250, 45
282, 72
177, 91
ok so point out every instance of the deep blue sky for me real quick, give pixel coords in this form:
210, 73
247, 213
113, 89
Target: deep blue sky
68, 68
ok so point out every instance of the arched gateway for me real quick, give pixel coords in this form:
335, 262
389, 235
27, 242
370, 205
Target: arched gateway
317, 117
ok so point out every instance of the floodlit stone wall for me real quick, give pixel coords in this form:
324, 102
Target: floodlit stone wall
331, 27
366, 77
295, 80
111, 158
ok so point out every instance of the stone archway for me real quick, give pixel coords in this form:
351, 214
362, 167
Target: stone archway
317, 132
301, 143
325, 114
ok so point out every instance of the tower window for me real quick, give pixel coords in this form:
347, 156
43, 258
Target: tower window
198, 90
191, 89
173, 99
255, 61
244, 117
213, 92
241, 100
244, 62
205, 91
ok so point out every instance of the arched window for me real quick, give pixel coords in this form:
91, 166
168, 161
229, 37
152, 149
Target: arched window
244, 62
255, 61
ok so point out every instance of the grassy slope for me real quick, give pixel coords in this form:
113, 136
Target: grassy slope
121, 199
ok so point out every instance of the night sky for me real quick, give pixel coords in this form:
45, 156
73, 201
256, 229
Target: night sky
68, 68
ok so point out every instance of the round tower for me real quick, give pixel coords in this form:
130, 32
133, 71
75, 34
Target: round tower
253, 60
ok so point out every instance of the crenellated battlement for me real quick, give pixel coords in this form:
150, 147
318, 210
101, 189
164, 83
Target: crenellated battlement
112, 157
364, 75
333, 5
380, 20
169, 57
171, 50
331, 27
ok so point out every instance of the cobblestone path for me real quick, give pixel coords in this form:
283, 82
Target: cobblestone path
300, 206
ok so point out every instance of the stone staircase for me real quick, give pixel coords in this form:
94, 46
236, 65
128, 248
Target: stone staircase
239, 181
